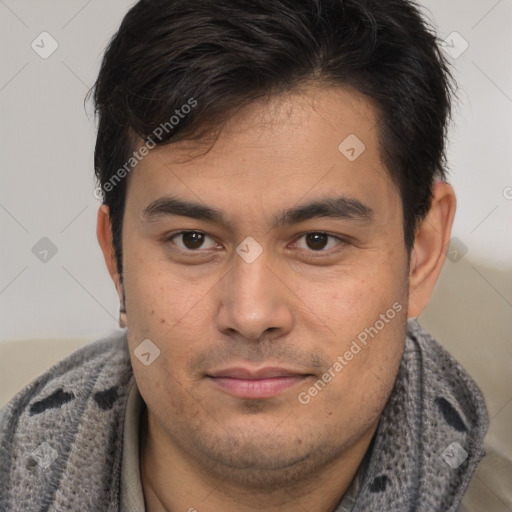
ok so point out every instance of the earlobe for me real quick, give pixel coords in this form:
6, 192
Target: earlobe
430, 246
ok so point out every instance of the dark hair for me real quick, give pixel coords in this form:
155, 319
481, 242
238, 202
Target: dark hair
219, 55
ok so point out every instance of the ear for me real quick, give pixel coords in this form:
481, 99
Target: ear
104, 235
430, 247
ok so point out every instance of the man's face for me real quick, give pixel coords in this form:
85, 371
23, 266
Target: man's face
243, 338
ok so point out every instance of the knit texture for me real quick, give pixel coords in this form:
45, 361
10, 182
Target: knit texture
61, 436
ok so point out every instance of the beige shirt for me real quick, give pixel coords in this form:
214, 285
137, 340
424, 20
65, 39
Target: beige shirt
132, 495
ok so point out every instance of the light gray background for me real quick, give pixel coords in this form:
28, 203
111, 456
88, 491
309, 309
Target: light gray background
47, 184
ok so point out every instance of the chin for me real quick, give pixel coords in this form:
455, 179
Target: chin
260, 460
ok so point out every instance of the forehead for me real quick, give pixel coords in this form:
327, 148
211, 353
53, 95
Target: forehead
316, 140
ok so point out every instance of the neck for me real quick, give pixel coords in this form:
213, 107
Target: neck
172, 481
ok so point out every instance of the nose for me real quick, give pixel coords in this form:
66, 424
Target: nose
254, 301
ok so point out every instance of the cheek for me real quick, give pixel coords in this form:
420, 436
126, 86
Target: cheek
366, 313
161, 391
159, 298
349, 304
171, 313
363, 380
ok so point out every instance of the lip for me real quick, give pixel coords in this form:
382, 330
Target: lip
253, 384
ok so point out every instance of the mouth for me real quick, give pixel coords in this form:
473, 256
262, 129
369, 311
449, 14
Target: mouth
254, 384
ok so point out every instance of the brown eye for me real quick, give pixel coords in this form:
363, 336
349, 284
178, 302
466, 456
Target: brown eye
316, 241
191, 240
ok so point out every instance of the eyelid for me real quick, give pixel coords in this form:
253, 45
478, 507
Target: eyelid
168, 238
341, 241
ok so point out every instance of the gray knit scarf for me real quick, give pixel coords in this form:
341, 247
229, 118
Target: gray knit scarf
61, 437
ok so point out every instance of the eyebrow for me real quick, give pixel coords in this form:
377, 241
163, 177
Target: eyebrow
332, 207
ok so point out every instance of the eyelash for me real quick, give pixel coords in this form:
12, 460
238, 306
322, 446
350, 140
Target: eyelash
341, 241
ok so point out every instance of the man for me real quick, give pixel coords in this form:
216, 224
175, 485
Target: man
275, 216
